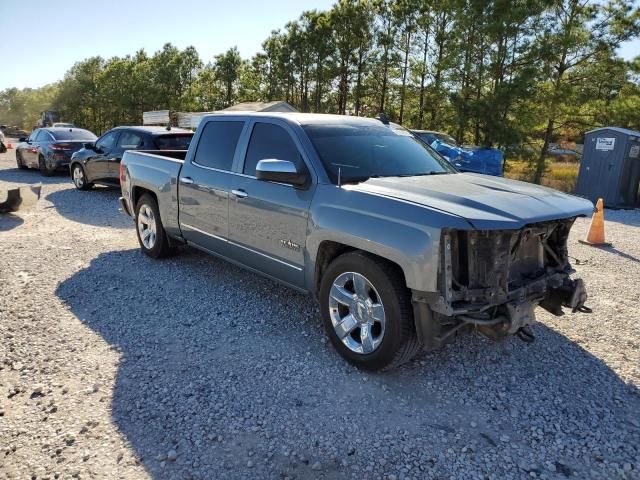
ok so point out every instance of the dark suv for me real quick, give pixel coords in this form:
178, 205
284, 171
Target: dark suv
99, 161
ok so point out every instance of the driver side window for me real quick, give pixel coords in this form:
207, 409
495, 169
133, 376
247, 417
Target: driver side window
107, 141
269, 141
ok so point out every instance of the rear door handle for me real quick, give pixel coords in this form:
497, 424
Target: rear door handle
186, 180
240, 193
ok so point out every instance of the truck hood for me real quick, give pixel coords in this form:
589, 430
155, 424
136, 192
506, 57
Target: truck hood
487, 203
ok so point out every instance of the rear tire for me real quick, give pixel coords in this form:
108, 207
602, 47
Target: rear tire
44, 170
151, 235
79, 178
19, 161
373, 293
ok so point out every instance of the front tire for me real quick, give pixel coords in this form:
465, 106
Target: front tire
19, 161
367, 313
151, 235
44, 170
79, 178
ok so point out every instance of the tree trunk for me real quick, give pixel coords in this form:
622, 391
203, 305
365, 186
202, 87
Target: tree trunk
437, 79
357, 91
423, 77
540, 165
385, 75
404, 77
476, 136
318, 83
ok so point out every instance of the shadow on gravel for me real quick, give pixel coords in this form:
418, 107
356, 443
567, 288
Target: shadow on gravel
615, 251
8, 221
15, 175
232, 372
626, 217
98, 206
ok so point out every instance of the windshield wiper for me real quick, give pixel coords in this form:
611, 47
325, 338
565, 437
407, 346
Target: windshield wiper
421, 174
365, 178
347, 180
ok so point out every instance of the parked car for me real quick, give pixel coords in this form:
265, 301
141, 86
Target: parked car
50, 148
400, 249
466, 159
99, 161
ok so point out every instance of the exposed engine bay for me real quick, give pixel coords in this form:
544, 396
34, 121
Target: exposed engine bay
491, 280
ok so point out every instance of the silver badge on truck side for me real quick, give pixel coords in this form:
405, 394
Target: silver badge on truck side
290, 245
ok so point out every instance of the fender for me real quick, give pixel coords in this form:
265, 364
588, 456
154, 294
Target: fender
401, 232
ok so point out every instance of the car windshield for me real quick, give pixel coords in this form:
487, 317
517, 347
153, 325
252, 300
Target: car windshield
443, 137
360, 152
73, 134
431, 137
174, 142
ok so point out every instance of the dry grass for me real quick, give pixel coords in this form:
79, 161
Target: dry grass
559, 175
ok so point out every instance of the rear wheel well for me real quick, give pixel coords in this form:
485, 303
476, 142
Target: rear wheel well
329, 251
137, 192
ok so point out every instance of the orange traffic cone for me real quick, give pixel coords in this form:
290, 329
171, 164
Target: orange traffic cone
595, 236
9, 146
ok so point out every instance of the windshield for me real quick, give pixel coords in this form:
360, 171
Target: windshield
431, 137
73, 134
365, 151
443, 137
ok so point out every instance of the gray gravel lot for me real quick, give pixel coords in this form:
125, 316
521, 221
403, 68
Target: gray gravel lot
113, 365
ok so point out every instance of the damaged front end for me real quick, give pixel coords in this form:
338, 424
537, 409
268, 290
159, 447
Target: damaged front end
492, 280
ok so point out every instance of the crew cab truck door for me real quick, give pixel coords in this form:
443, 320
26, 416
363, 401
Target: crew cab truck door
268, 221
203, 188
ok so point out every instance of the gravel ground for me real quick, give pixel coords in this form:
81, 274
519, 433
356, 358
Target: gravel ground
113, 365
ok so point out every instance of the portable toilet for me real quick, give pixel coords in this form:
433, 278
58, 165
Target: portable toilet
610, 167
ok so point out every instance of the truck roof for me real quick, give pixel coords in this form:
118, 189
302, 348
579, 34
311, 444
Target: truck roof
154, 130
303, 118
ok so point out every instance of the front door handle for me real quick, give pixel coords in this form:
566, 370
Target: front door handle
186, 180
240, 193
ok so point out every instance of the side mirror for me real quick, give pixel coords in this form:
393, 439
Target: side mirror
89, 145
22, 139
280, 171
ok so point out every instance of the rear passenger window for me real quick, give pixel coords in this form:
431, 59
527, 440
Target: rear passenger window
43, 136
217, 144
129, 140
269, 141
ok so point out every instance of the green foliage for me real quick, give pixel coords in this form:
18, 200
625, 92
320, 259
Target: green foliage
517, 74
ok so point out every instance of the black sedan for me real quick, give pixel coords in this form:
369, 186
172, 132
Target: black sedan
51, 148
99, 162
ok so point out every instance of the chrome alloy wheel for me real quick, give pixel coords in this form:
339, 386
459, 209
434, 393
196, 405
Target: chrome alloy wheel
356, 312
147, 226
78, 176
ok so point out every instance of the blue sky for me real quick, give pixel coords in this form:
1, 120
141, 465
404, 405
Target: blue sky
42, 39
45, 38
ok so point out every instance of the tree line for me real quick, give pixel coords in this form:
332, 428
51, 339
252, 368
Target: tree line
517, 74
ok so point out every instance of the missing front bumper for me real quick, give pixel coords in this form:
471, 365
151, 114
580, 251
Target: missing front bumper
435, 329
491, 281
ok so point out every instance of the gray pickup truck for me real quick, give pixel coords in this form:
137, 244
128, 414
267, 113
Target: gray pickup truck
401, 251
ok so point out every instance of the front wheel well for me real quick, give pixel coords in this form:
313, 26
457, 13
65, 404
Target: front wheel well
71, 165
329, 251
